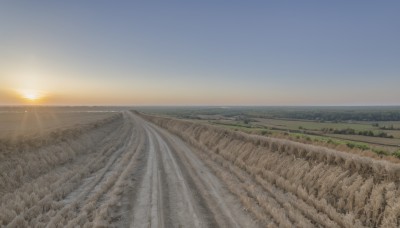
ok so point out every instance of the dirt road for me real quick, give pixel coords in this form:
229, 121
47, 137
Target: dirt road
173, 188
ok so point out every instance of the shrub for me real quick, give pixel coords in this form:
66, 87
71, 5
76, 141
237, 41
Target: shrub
350, 145
396, 154
380, 151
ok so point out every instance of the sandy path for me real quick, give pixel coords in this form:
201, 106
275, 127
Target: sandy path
178, 190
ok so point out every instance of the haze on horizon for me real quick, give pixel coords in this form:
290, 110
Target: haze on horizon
200, 53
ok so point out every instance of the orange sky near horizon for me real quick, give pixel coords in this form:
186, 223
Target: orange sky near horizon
56, 87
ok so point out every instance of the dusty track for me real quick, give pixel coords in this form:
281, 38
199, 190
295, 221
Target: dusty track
134, 175
175, 189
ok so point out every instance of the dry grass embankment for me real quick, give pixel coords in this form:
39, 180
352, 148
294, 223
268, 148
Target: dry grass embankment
60, 180
290, 184
27, 158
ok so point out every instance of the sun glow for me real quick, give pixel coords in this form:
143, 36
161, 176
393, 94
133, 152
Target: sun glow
32, 96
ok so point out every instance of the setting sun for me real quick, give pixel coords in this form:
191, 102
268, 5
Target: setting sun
31, 95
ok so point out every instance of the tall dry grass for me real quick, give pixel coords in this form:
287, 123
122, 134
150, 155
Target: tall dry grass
36, 175
25, 159
297, 184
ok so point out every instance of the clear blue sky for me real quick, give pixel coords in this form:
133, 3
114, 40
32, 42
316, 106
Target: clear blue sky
201, 52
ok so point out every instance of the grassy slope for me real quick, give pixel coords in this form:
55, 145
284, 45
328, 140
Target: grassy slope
351, 189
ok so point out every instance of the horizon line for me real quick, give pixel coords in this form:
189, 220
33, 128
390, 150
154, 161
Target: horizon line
193, 105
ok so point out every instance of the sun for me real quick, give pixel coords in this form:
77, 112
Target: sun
32, 96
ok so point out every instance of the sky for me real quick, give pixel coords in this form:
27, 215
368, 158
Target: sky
200, 52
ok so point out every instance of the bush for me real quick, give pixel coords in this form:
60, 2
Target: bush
362, 146
396, 154
350, 145
265, 132
380, 152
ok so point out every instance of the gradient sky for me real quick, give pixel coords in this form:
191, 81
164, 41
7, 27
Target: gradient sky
201, 52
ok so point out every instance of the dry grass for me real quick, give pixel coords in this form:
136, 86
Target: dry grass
297, 184
26, 159
40, 178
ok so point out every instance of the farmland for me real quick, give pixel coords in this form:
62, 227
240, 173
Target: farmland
112, 167
328, 126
